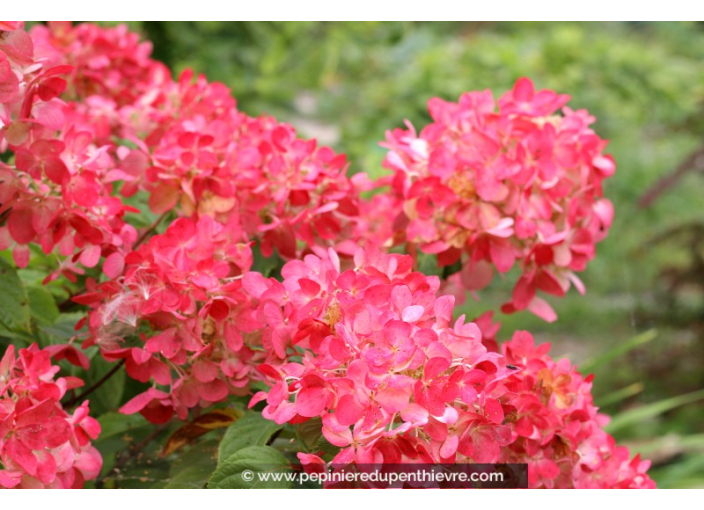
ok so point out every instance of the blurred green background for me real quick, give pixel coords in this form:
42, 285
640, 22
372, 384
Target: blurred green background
640, 328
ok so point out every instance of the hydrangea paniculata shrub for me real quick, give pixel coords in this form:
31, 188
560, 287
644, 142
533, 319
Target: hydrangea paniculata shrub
354, 337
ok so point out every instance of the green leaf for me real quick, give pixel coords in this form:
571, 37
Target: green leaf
241, 470
310, 432
618, 395
21, 336
268, 266
14, 304
428, 264
114, 424
620, 350
118, 432
141, 477
250, 430
448, 271
109, 394
122, 438
327, 448
42, 305
646, 412
192, 470
63, 328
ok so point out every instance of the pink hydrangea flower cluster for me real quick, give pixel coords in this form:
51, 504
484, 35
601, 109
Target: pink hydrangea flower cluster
557, 429
28, 88
89, 119
196, 151
57, 191
374, 353
41, 444
176, 316
286, 192
107, 62
493, 188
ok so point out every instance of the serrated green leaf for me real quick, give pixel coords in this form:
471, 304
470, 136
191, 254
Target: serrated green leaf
250, 430
14, 304
242, 470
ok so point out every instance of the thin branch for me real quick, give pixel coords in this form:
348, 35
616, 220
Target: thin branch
273, 437
695, 161
98, 384
150, 230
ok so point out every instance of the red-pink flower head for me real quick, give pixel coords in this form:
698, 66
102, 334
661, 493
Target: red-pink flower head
210, 159
57, 192
557, 430
42, 445
110, 62
383, 364
372, 351
185, 143
491, 188
174, 310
